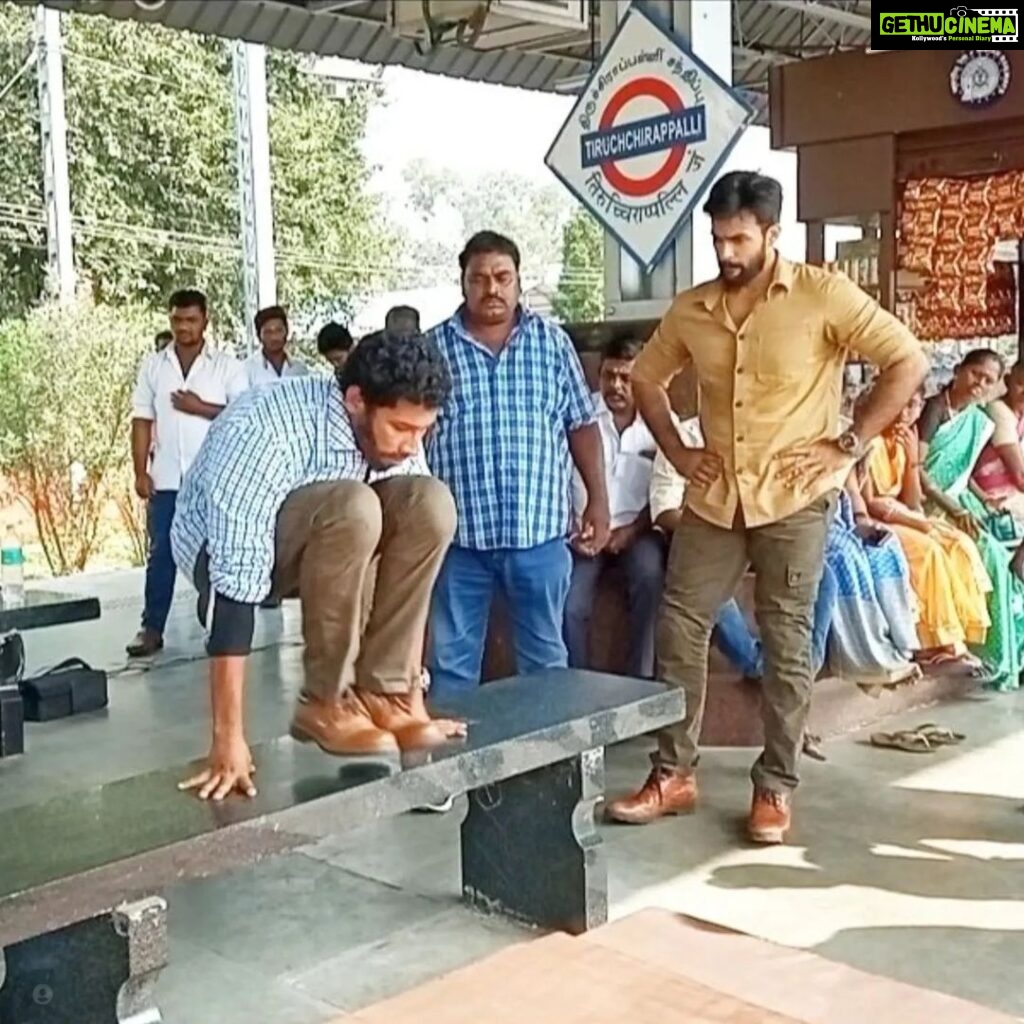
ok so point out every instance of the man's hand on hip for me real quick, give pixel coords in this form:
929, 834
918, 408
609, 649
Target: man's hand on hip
700, 467
806, 466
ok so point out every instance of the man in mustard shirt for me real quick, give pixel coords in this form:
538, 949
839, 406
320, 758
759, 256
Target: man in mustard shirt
767, 340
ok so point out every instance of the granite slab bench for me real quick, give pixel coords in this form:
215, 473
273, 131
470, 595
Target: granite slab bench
82, 921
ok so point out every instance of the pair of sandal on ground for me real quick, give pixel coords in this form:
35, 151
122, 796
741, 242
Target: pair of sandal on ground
925, 739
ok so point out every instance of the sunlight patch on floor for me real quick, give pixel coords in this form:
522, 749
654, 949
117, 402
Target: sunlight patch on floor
984, 772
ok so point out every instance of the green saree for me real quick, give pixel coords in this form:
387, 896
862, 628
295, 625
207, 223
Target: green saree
952, 453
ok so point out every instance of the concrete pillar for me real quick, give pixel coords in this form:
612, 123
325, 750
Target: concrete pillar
54, 138
706, 25
252, 136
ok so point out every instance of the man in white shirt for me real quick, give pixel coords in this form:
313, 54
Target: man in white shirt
180, 390
272, 362
629, 451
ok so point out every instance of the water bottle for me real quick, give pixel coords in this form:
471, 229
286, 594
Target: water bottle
12, 569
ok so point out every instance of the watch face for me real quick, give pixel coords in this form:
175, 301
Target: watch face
980, 76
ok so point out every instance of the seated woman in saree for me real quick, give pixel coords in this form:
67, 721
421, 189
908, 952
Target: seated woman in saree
874, 633
946, 571
998, 478
954, 431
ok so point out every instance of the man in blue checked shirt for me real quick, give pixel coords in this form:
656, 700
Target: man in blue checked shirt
296, 491
519, 414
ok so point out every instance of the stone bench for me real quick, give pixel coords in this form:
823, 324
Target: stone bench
82, 923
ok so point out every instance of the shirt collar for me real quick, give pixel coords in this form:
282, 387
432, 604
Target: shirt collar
171, 355
523, 317
341, 433
713, 292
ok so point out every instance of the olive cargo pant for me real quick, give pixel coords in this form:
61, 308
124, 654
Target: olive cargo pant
705, 565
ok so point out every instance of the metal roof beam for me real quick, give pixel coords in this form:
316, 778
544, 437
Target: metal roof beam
751, 55
835, 15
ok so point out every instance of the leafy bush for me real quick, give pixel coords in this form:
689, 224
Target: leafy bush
65, 407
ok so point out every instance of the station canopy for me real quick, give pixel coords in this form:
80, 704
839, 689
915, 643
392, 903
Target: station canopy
546, 45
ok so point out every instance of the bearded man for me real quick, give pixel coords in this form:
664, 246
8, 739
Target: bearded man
767, 341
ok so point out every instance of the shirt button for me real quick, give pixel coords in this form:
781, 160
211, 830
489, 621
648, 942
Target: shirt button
739, 405
739, 439
739, 369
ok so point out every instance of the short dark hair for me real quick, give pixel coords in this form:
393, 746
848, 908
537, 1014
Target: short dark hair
388, 368
265, 315
183, 298
977, 356
624, 348
162, 339
488, 242
402, 320
746, 191
333, 338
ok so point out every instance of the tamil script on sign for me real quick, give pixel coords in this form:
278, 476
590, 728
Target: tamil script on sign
646, 136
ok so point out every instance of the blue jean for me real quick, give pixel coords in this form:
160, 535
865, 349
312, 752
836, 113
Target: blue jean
160, 568
535, 582
644, 567
734, 639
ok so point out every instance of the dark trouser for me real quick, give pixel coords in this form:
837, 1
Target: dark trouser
160, 567
705, 564
644, 566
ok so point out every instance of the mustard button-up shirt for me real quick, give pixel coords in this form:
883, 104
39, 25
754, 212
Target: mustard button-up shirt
772, 383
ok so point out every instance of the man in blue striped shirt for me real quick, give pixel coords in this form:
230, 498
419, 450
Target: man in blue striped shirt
297, 490
519, 414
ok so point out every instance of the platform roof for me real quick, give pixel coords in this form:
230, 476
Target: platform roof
765, 32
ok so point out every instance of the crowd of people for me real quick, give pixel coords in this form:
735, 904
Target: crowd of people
397, 493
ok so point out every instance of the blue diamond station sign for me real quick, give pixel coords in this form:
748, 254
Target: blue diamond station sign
647, 136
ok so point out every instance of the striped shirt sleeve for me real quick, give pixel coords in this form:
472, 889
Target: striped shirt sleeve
248, 482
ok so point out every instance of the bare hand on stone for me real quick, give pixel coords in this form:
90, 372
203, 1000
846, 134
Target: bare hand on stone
229, 769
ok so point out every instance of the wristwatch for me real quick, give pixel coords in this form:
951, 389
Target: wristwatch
849, 443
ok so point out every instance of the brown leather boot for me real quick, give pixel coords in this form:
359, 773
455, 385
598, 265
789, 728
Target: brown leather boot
342, 727
404, 715
146, 643
664, 793
770, 817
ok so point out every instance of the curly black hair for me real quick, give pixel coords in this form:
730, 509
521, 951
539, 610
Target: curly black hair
388, 368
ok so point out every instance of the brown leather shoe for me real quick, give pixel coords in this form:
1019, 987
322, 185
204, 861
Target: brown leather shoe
146, 643
663, 794
770, 817
342, 727
404, 715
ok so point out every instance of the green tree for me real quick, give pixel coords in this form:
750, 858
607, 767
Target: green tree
65, 405
580, 295
153, 171
452, 207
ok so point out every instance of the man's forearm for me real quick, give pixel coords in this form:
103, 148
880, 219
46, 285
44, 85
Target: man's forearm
653, 403
227, 685
211, 411
890, 396
588, 456
142, 442
669, 519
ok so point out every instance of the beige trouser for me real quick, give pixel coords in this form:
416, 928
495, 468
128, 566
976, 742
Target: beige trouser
705, 565
329, 535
